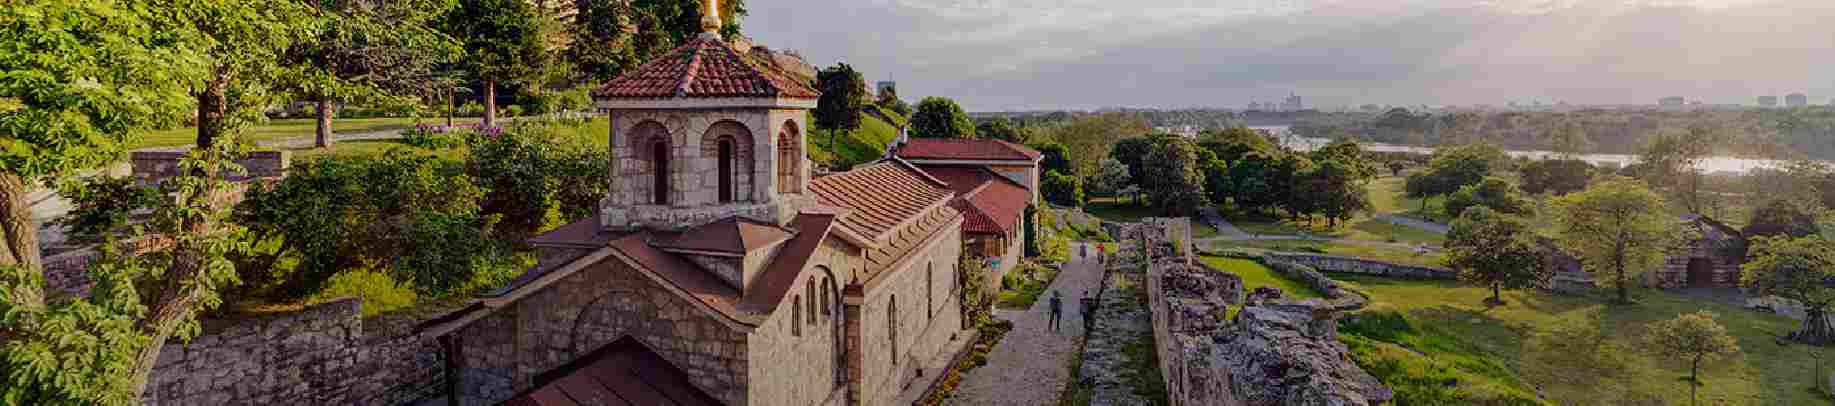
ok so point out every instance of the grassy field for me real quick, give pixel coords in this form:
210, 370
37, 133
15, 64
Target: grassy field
1578, 349
846, 149
1377, 252
1254, 275
597, 130
1385, 198
288, 128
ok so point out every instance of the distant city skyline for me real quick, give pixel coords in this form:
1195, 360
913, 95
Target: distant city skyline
1087, 54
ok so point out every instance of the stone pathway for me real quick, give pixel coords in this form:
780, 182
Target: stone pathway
1215, 219
1031, 365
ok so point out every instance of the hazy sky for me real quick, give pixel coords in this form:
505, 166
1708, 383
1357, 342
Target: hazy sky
1036, 54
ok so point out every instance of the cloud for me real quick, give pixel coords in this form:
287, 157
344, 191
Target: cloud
1013, 54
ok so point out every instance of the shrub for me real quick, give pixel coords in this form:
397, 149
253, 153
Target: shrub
432, 137
380, 292
512, 111
538, 176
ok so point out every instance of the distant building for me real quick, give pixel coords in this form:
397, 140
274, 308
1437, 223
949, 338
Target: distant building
887, 86
1796, 100
1293, 104
1768, 101
1671, 101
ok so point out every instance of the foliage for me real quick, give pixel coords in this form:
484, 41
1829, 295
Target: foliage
1022, 286
1001, 129
381, 293
607, 38
1110, 177
99, 349
1781, 217
1670, 160
337, 213
1618, 228
1032, 230
1494, 193
503, 41
367, 53
1217, 185
103, 206
1498, 251
1172, 179
1556, 176
429, 137
537, 178
1568, 140
1799, 269
940, 117
1059, 188
977, 303
547, 102
1252, 181
1055, 157
889, 100
1131, 152
1694, 337
1088, 138
1232, 143
1419, 361
1335, 189
1349, 154
843, 95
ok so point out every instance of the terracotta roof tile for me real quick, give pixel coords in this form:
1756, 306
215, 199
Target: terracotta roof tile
881, 195
705, 68
730, 235
966, 149
623, 373
990, 203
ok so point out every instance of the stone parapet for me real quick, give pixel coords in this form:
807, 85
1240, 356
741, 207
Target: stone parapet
151, 167
1333, 263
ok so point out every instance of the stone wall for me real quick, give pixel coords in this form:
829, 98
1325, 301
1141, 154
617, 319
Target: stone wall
1333, 263
320, 355
150, 167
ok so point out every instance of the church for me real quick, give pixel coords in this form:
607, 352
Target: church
720, 269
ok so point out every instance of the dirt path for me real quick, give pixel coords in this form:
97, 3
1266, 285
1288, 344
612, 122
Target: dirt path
1031, 364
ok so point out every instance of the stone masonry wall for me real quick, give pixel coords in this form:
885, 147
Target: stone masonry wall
320, 355
150, 167
1333, 263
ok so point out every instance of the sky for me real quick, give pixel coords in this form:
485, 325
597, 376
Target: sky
993, 55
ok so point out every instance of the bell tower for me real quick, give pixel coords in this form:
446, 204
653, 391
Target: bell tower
703, 133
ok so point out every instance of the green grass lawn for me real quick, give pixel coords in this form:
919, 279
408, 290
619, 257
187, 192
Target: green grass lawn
1254, 275
1385, 253
842, 150
1385, 198
288, 128
1579, 349
1024, 285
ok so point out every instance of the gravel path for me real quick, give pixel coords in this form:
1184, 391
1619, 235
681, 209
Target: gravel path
1224, 228
1031, 364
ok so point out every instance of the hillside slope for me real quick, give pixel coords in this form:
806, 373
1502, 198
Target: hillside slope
853, 147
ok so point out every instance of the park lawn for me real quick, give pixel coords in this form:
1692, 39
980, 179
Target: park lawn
1254, 275
1388, 196
372, 148
288, 128
1362, 227
1375, 252
1516, 347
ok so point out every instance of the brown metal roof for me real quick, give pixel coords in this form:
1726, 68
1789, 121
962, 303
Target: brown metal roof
730, 235
624, 372
703, 68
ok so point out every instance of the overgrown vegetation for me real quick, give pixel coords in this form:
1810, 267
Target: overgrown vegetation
1023, 285
1255, 275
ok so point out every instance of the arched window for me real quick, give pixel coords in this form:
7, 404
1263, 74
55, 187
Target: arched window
726, 170
789, 159
828, 293
796, 316
659, 153
930, 300
892, 326
809, 288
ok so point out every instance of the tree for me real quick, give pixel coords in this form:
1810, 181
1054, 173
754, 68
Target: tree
1568, 140
1089, 138
1424, 185
1062, 189
1001, 129
1131, 152
1286, 185
1781, 216
367, 53
1054, 157
843, 95
889, 100
1110, 177
503, 44
1695, 337
1350, 154
1619, 228
1217, 182
1672, 158
1232, 143
1496, 250
1557, 176
939, 117
1251, 182
1799, 269
1172, 179
1493, 192
1396, 167
1334, 189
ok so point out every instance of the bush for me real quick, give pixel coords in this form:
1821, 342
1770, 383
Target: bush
380, 292
539, 176
512, 111
433, 137
470, 109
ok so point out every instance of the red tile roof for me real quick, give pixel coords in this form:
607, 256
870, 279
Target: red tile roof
705, 67
990, 203
966, 149
623, 373
732, 235
688, 277
883, 196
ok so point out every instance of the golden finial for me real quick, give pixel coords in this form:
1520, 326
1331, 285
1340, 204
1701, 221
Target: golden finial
710, 18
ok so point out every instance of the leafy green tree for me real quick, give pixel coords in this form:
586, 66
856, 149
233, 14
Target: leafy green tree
1496, 250
1799, 269
1173, 181
681, 19
1468, 164
1090, 138
367, 53
1286, 185
1349, 154
609, 38
1251, 182
1062, 189
1232, 143
1694, 337
1001, 129
889, 100
1671, 161
843, 95
1054, 157
1111, 177
1569, 140
1619, 228
1131, 152
1424, 185
1781, 217
1495, 193
503, 42
939, 117
1335, 190
1217, 182
1556, 176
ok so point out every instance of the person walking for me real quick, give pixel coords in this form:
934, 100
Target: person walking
1057, 309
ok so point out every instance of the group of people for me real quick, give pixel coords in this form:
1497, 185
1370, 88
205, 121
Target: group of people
1057, 298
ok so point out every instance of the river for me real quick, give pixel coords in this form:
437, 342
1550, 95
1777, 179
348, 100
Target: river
1709, 165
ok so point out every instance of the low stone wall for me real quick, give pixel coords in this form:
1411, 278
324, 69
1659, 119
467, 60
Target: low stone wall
150, 167
1333, 263
320, 355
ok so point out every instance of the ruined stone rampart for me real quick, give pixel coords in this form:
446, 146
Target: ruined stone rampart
1333, 263
319, 355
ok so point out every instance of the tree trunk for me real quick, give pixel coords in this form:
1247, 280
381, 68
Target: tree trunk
1693, 381
21, 235
213, 105
1816, 329
1618, 265
1497, 293
490, 103
323, 138
449, 107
